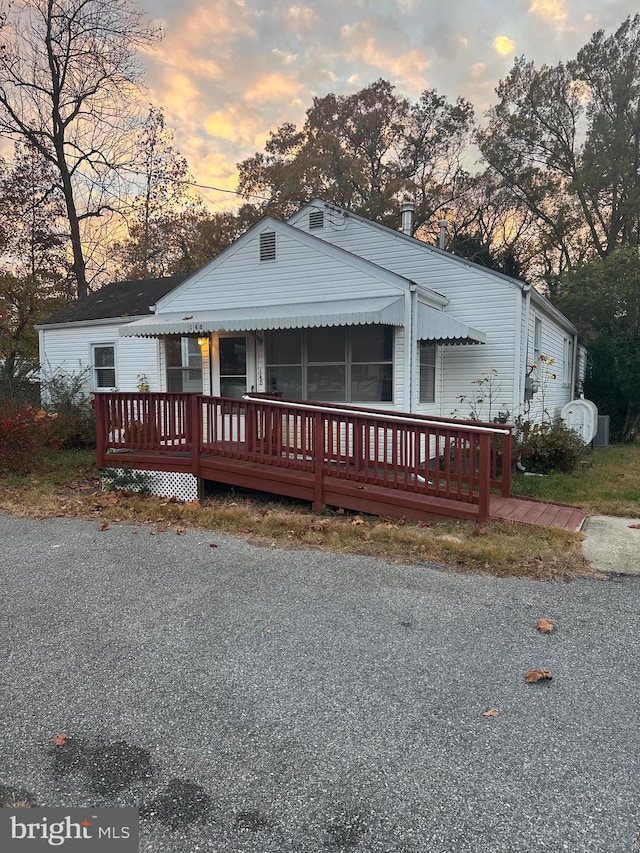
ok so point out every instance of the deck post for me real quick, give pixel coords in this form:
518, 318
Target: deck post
194, 431
101, 437
485, 476
507, 449
318, 460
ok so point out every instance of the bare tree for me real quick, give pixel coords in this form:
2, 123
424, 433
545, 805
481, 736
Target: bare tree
69, 86
163, 217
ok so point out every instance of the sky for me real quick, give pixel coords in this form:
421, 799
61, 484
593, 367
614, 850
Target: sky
229, 71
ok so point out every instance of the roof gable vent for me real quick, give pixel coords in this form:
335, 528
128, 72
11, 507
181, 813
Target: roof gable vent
268, 246
316, 219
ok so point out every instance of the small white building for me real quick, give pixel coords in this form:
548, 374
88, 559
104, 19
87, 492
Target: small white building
330, 307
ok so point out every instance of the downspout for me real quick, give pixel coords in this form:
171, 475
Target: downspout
414, 376
525, 350
575, 392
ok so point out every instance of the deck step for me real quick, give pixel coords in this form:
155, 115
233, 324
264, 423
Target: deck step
537, 513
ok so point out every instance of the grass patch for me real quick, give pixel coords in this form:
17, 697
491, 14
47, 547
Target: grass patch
66, 484
608, 483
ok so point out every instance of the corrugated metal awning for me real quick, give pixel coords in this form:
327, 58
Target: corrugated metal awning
387, 310
440, 328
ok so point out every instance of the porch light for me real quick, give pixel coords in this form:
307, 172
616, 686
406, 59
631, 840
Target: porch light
203, 343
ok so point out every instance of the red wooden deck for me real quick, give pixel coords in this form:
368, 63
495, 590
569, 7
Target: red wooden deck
384, 463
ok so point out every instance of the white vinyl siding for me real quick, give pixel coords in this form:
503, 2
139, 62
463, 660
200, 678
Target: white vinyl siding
547, 348
476, 297
68, 350
300, 274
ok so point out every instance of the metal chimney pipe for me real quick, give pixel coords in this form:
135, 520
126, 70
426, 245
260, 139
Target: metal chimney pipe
442, 224
408, 209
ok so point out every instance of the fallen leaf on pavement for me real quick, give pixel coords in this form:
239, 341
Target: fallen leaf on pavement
635, 525
492, 712
60, 739
212, 545
544, 625
534, 675
105, 525
180, 531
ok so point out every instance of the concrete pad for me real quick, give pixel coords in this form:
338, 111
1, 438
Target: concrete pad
611, 545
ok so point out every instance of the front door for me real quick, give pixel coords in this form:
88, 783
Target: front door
233, 366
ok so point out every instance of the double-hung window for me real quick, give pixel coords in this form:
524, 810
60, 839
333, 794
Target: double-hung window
184, 364
537, 348
103, 359
427, 372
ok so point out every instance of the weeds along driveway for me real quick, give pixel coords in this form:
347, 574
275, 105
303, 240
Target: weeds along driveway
257, 699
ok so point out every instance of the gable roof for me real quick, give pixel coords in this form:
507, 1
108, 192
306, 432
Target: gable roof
313, 243
118, 299
537, 297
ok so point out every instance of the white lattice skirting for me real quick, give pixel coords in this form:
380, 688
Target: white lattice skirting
162, 484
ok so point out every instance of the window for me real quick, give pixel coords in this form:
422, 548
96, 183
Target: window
104, 366
427, 372
334, 364
567, 362
537, 346
184, 365
268, 246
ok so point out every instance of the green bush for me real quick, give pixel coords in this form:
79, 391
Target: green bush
74, 426
543, 448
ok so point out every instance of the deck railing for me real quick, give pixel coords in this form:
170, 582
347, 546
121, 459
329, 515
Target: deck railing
408, 453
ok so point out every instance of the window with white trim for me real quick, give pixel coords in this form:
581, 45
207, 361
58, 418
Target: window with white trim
537, 347
337, 364
427, 372
184, 364
567, 362
103, 361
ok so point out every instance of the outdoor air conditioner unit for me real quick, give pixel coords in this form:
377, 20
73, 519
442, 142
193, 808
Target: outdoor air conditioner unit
601, 438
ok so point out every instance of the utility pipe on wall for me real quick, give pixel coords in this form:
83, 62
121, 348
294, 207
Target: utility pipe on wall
525, 349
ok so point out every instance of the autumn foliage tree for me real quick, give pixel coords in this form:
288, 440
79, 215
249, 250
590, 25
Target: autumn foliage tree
563, 140
365, 151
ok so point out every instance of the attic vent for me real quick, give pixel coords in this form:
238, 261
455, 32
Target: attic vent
316, 219
268, 246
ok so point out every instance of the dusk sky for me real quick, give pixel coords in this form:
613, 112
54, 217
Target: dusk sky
228, 71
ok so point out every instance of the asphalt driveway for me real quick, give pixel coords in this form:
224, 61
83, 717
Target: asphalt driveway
255, 699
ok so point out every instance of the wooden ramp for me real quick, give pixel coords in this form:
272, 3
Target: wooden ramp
536, 512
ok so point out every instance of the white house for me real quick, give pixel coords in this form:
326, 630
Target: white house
332, 307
